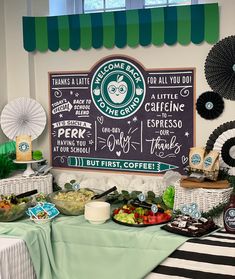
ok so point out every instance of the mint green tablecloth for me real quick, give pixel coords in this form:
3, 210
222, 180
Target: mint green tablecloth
109, 250
71, 248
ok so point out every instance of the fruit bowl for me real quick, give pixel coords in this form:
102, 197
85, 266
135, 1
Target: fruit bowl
13, 211
71, 202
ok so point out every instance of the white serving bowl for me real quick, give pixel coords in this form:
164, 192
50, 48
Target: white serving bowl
97, 212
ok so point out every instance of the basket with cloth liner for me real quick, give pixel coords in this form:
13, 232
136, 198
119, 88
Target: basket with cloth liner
18, 184
206, 199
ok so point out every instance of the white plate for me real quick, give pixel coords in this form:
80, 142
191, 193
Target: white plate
41, 221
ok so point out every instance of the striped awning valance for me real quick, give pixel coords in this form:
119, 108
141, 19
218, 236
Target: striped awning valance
169, 25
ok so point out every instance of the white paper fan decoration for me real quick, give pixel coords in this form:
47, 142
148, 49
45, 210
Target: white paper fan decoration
218, 145
23, 116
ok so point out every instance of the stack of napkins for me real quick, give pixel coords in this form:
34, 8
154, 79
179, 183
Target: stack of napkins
42, 212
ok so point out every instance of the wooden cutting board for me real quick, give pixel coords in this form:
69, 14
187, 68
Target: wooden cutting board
220, 184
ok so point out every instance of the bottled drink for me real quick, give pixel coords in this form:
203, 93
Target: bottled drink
229, 215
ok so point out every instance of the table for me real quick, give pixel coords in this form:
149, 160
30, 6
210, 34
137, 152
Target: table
70, 247
210, 257
15, 261
109, 250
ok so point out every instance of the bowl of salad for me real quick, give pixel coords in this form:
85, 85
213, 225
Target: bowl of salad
72, 202
13, 208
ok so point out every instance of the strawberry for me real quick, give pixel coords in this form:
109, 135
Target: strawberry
152, 219
151, 213
136, 215
145, 218
116, 211
163, 217
166, 216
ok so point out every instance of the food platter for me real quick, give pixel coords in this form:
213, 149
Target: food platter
189, 234
129, 215
137, 225
190, 227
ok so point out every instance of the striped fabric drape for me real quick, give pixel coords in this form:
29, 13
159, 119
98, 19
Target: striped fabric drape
209, 257
169, 25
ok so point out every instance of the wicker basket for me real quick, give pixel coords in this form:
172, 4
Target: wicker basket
19, 184
205, 198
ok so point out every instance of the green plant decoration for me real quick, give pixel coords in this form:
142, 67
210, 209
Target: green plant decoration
215, 211
72, 185
124, 197
6, 166
37, 155
69, 185
168, 196
8, 147
12, 157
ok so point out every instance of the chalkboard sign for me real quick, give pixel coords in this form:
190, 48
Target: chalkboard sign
120, 116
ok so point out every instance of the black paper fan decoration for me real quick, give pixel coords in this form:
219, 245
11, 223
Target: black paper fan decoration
210, 105
228, 152
230, 125
220, 68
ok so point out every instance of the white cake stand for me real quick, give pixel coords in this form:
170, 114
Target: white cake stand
29, 171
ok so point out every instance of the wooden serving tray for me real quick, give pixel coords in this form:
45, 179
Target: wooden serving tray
220, 184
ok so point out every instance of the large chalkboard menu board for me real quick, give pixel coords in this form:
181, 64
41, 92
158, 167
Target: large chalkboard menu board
121, 116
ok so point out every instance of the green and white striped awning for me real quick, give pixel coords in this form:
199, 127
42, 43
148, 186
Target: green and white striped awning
169, 25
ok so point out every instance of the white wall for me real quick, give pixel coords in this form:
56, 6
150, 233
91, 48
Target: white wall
17, 59
27, 74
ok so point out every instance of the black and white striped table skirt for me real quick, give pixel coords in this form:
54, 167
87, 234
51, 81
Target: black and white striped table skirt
211, 257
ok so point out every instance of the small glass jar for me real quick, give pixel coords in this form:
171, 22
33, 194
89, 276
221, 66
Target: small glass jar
229, 215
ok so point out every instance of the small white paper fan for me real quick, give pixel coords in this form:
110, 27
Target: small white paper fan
23, 116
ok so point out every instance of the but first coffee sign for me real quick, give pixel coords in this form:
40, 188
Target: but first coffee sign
120, 116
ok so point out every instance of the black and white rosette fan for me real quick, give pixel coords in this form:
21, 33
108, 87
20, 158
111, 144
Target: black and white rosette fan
220, 68
222, 140
210, 105
23, 116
